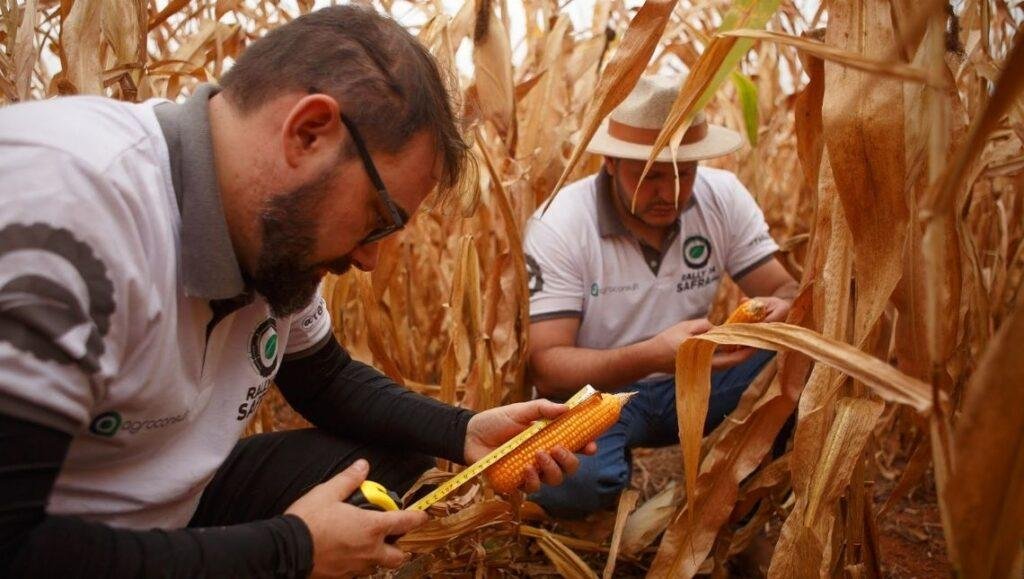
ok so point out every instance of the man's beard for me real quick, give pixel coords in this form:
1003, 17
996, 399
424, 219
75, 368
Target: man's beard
285, 276
626, 199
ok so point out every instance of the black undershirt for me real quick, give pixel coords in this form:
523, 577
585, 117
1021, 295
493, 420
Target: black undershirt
328, 388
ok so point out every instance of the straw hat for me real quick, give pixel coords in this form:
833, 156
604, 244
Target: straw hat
632, 128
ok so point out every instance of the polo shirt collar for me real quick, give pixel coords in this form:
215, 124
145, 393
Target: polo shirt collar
609, 223
210, 268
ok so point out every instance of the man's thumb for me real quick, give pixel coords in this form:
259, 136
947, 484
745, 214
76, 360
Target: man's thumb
347, 481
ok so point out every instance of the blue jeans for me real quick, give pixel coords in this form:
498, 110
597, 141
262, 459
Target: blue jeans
648, 420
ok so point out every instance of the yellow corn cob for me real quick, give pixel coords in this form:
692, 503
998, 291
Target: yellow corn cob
749, 312
572, 431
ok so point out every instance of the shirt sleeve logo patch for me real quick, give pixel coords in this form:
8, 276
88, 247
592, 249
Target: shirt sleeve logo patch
309, 320
536, 280
263, 347
41, 315
696, 251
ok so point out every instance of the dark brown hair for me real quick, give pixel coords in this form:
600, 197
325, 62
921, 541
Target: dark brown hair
387, 83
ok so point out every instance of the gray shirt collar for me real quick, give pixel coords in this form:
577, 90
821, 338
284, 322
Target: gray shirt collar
210, 269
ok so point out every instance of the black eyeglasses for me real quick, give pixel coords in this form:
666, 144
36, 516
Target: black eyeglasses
396, 216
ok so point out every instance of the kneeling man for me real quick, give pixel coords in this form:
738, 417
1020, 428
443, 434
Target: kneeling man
616, 284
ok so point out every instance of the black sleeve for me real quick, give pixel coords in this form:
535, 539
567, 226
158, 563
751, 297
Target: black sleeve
353, 400
34, 544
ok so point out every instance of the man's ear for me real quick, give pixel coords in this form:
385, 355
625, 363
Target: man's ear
312, 130
609, 165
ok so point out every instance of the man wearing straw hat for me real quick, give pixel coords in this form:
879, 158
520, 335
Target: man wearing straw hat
158, 271
617, 283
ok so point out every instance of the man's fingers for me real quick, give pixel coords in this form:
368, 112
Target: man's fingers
590, 448
392, 557
551, 473
700, 326
541, 408
566, 460
347, 481
531, 482
729, 359
396, 523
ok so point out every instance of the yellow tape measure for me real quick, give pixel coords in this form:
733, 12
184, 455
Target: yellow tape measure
374, 497
494, 456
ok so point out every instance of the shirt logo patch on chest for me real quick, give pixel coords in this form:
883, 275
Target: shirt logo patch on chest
698, 279
263, 347
596, 290
696, 251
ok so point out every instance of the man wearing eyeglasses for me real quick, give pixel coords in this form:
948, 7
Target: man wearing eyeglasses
158, 270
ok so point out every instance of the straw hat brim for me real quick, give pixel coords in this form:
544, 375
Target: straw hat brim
718, 142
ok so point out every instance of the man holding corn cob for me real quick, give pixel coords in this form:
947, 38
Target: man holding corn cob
158, 269
617, 283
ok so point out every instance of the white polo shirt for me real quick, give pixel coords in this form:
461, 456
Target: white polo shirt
124, 319
584, 263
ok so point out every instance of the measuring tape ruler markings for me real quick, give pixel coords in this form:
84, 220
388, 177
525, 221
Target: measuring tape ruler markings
494, 456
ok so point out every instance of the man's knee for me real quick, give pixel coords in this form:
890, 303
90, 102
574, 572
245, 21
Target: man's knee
397, 470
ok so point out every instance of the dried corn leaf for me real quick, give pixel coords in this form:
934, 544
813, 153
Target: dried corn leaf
853, 59
855, 418
25, 52
567, 562
492, 62
623, 71
80, 39
864, 134
693, 391
983, 499
801, 551
649, 520
1008, 88
437, 532
124, 28
887, 382
694, 382
743, 446
714, 66
627, 501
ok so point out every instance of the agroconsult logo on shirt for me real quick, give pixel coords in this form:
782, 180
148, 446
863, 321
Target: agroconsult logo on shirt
696, 251
263, 347
597, 290
110, 423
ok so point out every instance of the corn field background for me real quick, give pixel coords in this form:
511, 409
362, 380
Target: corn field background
886, 147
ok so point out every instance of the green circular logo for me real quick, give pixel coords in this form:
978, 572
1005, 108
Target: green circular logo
106, 424
595, 290
696, 251
263, 347
270, 350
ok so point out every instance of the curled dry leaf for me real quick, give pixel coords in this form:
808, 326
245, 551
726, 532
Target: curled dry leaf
80, 40
438, 532
649, 520
627, 501
565, 560
986, 512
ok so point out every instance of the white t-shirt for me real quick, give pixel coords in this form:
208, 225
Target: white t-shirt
98, 335
583, 262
